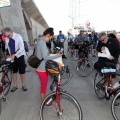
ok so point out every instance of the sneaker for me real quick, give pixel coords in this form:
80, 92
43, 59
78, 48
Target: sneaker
118, 67
94, 56
14, 88
88, 65
24, 88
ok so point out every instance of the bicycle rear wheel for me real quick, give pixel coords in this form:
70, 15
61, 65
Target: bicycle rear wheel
99, 86
71, 109
84, 67
115, 107
7, 82
72, 55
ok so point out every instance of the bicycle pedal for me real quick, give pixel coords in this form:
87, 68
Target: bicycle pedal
63, 90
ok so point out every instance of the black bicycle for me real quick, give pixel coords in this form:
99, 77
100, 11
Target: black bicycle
5, 80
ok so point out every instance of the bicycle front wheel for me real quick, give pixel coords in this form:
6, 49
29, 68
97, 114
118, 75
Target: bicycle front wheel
115, 108
99, 83
71, 109
7, 82
84, 67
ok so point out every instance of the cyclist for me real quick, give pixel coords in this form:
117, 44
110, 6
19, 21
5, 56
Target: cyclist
79, 41
94, 40
61, 39
111, 35
113, 48
41, 51
70, 38
15, 46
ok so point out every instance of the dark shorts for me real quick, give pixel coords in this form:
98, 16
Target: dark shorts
19, 65
70, 43
76, 46
100, 65
94, 45
62, 44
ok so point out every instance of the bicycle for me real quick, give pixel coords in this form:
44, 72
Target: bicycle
5, 80
72, 52
64, 106
84, 65
115, 107
103, 87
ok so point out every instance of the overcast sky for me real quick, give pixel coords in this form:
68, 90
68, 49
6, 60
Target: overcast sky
103, 14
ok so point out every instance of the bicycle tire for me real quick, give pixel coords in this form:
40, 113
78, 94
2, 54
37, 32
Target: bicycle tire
43, 109
96, 80
72, 56
7, 83
81, 67
0, 107
114, 106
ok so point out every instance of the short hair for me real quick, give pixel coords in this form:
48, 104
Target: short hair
7, 29
102, 34
111, 35
49, 31
60, 31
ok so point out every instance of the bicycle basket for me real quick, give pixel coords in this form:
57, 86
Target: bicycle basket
53, 68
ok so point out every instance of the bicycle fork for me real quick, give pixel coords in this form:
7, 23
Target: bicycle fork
58, 106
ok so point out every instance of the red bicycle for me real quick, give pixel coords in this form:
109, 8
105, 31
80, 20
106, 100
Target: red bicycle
63, 106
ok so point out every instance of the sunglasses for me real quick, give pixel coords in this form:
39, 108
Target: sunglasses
103, 39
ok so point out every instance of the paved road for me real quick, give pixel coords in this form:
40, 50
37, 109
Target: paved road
26, 105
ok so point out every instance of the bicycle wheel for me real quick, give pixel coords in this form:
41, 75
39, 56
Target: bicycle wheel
7, 82
115, 107
72, 55
84, 67
71, 109
99, 86
0, 107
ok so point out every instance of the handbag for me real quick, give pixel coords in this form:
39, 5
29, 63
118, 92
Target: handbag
33, 61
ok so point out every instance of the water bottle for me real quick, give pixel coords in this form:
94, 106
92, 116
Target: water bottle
106, 70
55, 86
117, 84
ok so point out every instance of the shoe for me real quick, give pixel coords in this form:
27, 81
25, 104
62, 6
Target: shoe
94, 56
24, 88
118, 67
88, 65
14, 88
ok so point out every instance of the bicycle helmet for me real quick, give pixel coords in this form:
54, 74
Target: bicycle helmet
53, 68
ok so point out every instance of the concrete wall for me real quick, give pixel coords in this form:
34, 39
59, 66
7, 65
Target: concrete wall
13, 17
37, 29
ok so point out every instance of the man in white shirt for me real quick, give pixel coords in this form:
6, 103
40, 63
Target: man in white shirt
70, 38
15, 47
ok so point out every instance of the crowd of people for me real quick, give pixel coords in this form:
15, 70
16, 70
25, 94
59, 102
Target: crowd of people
12, 46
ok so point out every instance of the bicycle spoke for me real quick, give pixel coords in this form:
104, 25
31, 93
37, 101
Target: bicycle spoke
70, 110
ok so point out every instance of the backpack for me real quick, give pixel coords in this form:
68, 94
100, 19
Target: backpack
26, 46
117, 40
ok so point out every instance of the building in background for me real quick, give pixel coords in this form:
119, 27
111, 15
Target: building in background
24, 18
